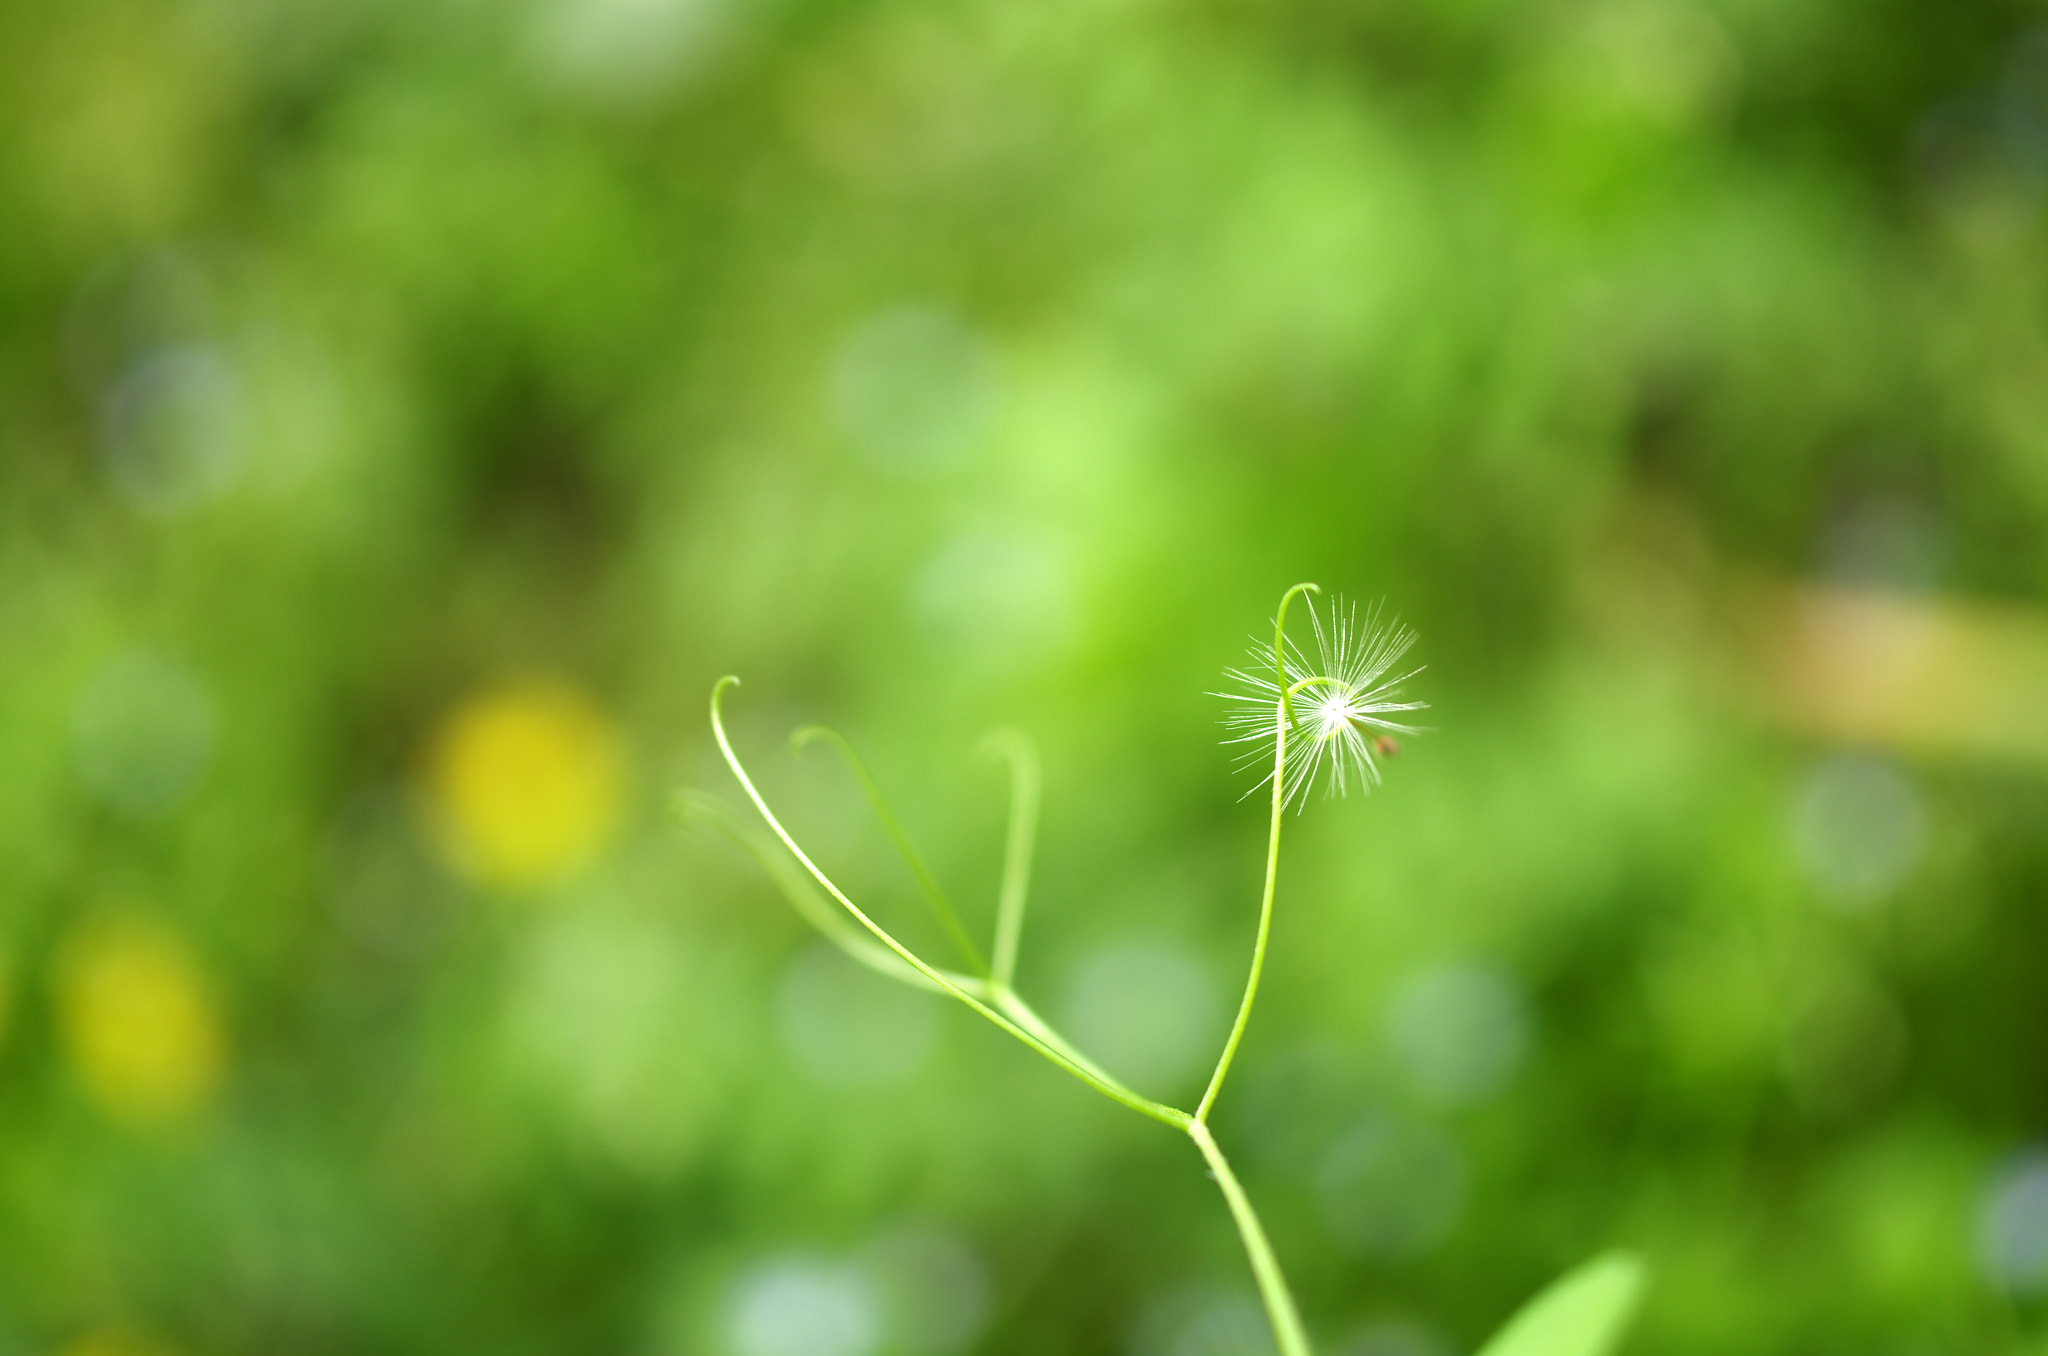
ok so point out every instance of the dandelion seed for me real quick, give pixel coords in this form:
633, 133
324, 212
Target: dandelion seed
1340, 703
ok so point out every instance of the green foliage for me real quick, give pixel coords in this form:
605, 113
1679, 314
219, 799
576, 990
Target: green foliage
1582, 1313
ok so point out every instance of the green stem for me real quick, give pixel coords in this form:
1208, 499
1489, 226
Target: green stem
1017, 750
1108, 1087
1280, 1310
696, 806
1251, 983
1020, 1012
1283, 721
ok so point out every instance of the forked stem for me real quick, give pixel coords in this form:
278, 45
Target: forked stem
1280, 1310
1093, 1077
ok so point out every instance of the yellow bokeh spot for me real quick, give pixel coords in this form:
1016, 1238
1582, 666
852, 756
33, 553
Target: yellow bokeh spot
138, 1020
524, 784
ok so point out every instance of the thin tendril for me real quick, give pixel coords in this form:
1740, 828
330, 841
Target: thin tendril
1016, 750
1280, 648
1324, 680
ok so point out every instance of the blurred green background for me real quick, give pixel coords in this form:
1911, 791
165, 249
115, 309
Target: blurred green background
408, 410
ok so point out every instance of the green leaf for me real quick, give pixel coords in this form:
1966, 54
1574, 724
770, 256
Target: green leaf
1582, 1313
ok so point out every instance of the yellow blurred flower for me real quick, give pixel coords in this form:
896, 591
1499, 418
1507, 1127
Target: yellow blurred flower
524, 784
138, 1020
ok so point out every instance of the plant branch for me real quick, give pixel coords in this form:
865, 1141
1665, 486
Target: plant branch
697, 806
1103, 1084
1251, 984
1006, 999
